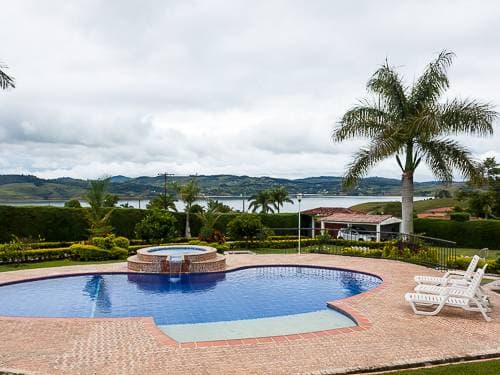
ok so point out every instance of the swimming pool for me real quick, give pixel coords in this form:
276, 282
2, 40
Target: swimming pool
249, 293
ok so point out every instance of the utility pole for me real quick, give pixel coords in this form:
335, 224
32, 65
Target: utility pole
165, 174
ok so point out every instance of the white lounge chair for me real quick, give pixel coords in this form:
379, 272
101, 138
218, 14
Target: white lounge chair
455, 277
468, 301
455, 290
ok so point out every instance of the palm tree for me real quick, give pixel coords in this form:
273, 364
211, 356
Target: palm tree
6, 81
280, 196
163, 202
262, 199
411, 123
208, 219
97, 198
189, 193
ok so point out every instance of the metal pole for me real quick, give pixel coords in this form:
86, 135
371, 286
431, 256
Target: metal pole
299, 198
165, 174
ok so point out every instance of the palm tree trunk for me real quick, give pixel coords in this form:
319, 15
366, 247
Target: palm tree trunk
188, 228
407, 203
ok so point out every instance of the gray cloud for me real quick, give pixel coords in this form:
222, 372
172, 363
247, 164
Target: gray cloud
134, 87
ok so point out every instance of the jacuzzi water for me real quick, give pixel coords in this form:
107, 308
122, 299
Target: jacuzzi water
250, 293
175, 250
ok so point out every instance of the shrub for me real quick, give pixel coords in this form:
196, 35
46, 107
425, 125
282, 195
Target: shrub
157, 226
122, 242
245, 227
118, 253
72, 203
12, 255
124, 221
459, 216
89, 252
221, 247
462, 262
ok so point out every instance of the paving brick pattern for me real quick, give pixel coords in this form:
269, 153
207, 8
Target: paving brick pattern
391, 334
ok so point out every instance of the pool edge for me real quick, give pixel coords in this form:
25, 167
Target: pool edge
363, 323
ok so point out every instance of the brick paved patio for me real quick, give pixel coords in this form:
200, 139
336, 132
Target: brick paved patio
134, 346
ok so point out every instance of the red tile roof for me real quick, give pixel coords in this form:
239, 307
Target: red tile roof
327, 211
356, 218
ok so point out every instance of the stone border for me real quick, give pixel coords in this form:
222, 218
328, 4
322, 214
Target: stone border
363, 323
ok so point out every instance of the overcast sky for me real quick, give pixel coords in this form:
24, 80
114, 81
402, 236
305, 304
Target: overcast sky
209, 87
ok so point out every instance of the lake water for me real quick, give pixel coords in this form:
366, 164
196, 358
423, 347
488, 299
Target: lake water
240, 204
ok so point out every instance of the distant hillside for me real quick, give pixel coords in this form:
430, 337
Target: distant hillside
26, 187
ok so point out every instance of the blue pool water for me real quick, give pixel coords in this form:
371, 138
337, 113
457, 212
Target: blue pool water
177, 250
251, 293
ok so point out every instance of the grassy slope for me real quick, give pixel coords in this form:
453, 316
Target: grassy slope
475, 368
419, 206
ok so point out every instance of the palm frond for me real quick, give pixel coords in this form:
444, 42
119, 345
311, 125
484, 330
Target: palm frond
6, 81
466, 116
432, 82
445, 155
387, 83
361, 121
366, 158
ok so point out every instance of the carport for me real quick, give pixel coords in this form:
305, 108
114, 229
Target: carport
378, 224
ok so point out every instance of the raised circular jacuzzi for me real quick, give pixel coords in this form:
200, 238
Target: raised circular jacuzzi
177, 259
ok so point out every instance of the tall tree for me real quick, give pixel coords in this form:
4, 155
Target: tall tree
410, 123
484, 200
263, 200
6, 81
189, 193
280, 196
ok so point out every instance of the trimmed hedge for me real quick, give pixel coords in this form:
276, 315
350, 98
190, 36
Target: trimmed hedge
55, 224
47, 223
289, 244
462, 262
28, 256
475, 234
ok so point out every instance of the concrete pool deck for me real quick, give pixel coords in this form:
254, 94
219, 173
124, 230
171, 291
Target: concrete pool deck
393, 335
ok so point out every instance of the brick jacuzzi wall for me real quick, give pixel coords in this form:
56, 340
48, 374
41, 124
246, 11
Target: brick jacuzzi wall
205, 261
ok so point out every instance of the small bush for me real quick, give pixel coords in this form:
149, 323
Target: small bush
27, 256
122, 242
158, 226
462, 262
72, 203
459, 216
89, 252
118, 253
246, 227
221, 247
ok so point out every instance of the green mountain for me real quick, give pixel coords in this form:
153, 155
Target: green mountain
27, 187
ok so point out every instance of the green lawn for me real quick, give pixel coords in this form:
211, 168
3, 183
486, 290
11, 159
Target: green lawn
418, 206
475, 368
52, 263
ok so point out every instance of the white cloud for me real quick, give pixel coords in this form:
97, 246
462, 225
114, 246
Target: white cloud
132, 87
